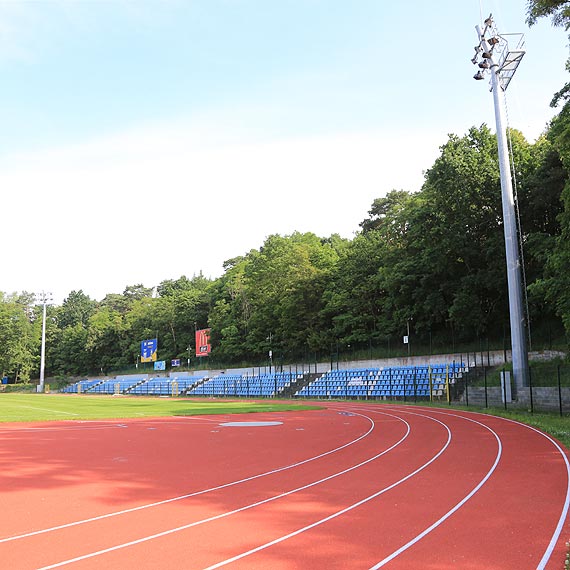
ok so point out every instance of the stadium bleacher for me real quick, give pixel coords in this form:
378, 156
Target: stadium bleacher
239, 385
81, 386
423, 381
171, 386
392, 382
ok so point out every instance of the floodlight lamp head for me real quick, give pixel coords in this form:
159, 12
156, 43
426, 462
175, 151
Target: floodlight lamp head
474, 60
487, 55
479, 75
489, 20
484, 64
494, 40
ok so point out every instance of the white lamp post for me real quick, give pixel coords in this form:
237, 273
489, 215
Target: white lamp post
44, 299
493, 56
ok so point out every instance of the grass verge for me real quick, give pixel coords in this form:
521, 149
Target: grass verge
555, 425
51, 407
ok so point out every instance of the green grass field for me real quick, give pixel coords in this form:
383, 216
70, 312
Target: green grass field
50, 407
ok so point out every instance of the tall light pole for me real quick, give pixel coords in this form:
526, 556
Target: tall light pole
45, 299
270, 338
493, 55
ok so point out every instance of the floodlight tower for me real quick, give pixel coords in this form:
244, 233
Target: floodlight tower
493, 56
44, 299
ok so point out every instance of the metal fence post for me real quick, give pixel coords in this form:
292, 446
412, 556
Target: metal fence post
415, 386
559, 390
530, 390
485, 381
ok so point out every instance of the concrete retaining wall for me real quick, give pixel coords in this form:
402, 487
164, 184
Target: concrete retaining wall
543, 399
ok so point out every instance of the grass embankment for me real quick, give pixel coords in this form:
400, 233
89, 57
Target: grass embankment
50, 407
548, 373
555, 425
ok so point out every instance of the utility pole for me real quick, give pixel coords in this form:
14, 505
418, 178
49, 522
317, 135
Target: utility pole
492, 55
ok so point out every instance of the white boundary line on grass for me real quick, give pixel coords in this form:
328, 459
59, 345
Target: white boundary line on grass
19, 406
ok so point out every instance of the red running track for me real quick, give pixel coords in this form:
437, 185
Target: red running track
354, 485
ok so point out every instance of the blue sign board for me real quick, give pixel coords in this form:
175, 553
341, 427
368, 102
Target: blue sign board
148, 350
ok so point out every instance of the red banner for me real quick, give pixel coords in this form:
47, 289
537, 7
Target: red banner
203, 347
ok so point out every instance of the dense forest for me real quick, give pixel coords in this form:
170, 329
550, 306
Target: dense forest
431, 262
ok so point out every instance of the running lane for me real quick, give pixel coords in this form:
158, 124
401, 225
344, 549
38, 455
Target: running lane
352, 486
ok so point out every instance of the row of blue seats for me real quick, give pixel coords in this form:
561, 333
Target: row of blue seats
165, 387
81, 386
321, 393
400, 371
372, 383
140, 384
394, 381
221, 385
368, 381
264, 385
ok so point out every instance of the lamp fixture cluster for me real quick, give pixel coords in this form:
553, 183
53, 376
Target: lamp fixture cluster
44, 298
485, 48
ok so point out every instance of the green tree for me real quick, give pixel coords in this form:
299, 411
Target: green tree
559, 12
75, 309
17, 337
106, 341
68, 351
555, 284
231, 310
285, 281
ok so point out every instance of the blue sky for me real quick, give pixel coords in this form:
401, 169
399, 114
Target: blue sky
143, 140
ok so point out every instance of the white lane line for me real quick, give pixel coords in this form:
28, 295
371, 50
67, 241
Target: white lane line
235, 511
194, 494
341, 512
558, 530
449, 513
565, 507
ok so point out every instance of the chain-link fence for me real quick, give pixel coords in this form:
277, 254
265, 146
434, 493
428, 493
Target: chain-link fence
493, 387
